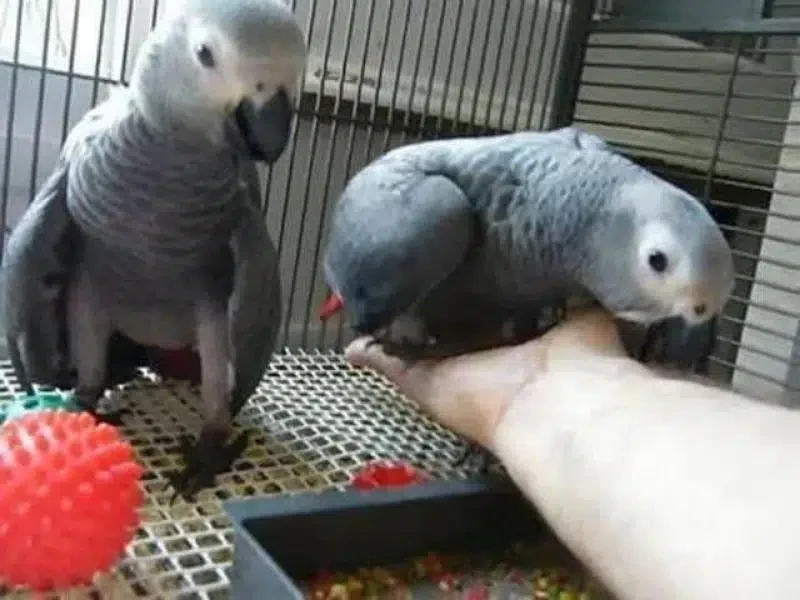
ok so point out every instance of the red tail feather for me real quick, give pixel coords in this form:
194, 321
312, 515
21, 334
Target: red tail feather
332, 305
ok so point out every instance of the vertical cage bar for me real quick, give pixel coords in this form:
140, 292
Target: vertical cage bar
267, 190
525, 65
351, 137
415, 77
154, 14
501, 119
12, 104
432, 75
702, 365
311, 150
575, 36
487, 117
446, 85
539, 62
554, 68
326, 185
312, 16
99, 55
387, 134
723, 120
387, 27
73, 48
126, 41
37, 126
465, 70
473, 113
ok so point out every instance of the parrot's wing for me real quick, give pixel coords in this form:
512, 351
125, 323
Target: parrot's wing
38, 261
391, 246
36, 264
255, 306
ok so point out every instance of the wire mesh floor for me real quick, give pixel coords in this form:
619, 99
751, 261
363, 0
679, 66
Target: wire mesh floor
314, 420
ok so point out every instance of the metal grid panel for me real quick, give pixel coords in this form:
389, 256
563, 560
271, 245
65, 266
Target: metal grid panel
315, 419
381, 73
723, 125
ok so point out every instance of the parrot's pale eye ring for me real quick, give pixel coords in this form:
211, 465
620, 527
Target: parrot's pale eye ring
205, 56
658, 261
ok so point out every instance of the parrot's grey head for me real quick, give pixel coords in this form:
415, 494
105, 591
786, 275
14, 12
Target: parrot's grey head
224, 69
661, 256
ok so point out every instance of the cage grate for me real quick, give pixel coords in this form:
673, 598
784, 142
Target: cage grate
315, 419
720, 122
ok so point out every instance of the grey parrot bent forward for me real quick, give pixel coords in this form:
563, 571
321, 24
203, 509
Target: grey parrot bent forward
148, 232
458, 245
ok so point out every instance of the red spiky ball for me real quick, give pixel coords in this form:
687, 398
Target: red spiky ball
69, 499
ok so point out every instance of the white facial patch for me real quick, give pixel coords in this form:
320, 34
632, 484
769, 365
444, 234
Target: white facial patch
222, 81
680, 262
673, 285
273, 73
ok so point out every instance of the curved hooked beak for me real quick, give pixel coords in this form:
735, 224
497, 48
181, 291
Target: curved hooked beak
672, 341
265, 129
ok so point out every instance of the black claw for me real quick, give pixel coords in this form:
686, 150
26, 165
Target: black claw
651, 348
112, 418
479, 454
411, 352
205, 458
407, 351
560, 311
88, 399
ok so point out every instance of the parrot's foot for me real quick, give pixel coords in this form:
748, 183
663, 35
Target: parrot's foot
409, 351
477, 453
88, 399
559, 312
406, 350
112, 418
205, 458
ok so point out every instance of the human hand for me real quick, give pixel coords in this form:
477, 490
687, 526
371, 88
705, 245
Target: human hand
471, 393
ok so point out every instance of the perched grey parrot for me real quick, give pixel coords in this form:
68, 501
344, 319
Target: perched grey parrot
462, 244
147, 236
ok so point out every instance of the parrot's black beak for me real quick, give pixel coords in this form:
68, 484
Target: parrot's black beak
693, 344
265, 129
672, 341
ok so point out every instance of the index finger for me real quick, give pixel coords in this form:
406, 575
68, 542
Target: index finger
410, 380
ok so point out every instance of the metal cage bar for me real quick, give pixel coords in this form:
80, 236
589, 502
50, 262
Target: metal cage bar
717, 115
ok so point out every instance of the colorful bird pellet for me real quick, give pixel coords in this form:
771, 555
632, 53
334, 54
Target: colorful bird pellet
520, 572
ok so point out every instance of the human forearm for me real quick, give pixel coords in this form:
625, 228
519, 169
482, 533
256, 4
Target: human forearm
666, 489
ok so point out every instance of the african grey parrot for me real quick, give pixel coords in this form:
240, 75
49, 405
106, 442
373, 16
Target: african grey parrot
148, 232
462, 244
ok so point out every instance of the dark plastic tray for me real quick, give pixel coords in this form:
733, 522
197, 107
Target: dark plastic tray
283, 540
